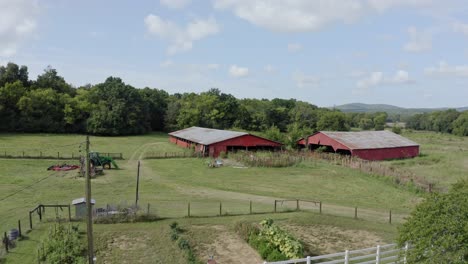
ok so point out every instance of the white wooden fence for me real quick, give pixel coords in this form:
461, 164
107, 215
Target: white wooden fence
385, 254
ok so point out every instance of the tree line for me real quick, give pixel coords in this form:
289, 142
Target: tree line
448, 121
50, 104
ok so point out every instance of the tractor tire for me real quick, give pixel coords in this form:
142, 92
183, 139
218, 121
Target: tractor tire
106, 166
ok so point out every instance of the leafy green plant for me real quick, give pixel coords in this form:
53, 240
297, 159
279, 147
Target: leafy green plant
282, 240
62, 245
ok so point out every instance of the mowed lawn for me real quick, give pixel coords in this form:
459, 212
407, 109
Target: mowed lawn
444, 158
168, 185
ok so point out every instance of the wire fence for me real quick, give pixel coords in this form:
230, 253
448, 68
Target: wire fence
59, 155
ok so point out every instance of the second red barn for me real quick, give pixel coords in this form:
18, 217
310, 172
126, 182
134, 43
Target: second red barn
368, 145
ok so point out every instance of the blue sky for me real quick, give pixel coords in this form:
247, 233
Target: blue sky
410, 53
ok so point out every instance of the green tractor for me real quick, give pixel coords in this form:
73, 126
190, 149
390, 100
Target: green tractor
105, 162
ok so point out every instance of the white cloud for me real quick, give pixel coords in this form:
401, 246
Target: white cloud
308, 15
378, 78
375, 78
236, 71
306, 81
419, 40
181, 39
166, 63
175, 4
294, 47
443, 69
269, 68
17, 22
460, 28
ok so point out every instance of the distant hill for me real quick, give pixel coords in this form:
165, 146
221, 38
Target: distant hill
391, 109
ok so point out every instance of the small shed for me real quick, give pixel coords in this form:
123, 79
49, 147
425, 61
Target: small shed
80, 207
211, 142
368, 145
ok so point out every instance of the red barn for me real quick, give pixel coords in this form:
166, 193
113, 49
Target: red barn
214, 141
368, 145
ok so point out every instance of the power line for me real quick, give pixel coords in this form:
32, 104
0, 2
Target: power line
10, 195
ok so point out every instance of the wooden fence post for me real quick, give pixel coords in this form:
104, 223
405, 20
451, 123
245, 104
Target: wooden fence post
297, 204
58, 155
250, 206
5, 240
220, 209
188, 210
30, 221
19, 228
148, 210
275, 207
390, 216
320, 207
23, 154
355, 212
69, 213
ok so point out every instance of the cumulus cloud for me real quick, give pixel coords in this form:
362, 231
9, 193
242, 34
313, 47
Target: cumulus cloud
306, 81
236, 71
175, 4
181, 38
18, 19
378, 78
419, 40
307, 15
460, 28
294, 47
444, 69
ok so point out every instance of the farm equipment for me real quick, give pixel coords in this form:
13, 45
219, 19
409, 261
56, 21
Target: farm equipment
106, 162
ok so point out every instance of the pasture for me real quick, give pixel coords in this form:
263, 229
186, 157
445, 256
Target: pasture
168, 185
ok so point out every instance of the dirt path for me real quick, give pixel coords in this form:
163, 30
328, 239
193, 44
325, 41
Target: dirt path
226, 247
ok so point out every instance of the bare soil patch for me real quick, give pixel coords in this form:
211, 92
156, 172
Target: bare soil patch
323, 239
225, 246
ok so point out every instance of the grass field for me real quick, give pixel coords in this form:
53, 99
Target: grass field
444, 158
169, 184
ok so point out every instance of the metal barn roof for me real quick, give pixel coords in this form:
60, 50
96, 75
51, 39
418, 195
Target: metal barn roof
206, 136
370, 139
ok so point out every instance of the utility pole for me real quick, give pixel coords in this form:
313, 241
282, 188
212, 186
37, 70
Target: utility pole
137, 186
89, 207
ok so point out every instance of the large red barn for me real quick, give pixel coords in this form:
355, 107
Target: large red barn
368, 145
214, 141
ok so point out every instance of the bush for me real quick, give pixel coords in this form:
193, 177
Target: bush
62, 245
396, 129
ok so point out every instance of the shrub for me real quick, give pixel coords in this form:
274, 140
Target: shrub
62, 245
245, 229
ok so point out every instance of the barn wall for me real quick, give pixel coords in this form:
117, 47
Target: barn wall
387, 153
321, 139
247, 141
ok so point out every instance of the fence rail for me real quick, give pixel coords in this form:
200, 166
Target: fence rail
384, 254
56, 155
170, 155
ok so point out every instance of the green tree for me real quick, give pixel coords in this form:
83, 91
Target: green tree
12, 73
333, 121
460, 125
438, 228
119, 109
51, 79
366, 123
156, 105
379, 121
10, 95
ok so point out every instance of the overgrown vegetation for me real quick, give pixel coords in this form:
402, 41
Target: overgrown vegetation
62, 245
437, 230
266, 159
271, 242
183, 243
